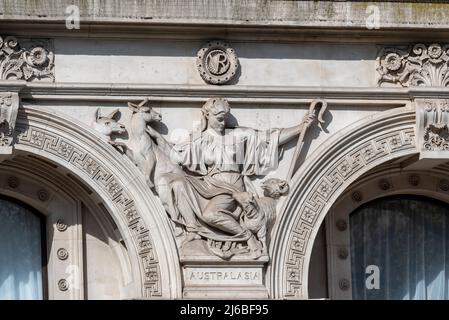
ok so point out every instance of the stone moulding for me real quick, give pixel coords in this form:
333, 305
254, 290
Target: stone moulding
35, 62
139, 216
319, 182
349, 96
420, 65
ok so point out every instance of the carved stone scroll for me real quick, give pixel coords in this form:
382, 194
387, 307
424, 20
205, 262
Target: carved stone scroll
420, 65
35, 62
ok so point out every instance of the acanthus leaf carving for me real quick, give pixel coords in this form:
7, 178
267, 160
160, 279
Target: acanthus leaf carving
420, 65
33, 63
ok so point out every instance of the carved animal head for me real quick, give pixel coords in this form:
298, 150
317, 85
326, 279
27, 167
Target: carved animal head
274, 188
146, 111
107, 125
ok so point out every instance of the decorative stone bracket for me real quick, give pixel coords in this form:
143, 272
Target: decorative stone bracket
432, 131
9, 107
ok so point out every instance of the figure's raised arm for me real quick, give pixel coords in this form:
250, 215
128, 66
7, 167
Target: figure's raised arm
287, 134
310, 118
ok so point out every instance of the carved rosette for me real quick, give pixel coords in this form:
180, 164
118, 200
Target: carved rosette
33, 63
420, 65
217, 62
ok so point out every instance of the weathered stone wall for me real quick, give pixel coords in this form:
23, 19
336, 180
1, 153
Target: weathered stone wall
403, 14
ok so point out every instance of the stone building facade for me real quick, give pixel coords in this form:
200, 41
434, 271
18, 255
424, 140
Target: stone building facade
220, 149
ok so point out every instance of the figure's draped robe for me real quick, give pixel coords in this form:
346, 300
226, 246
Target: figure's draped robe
217, 166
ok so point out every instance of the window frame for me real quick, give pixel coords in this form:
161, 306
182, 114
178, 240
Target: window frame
43, 233
370, 187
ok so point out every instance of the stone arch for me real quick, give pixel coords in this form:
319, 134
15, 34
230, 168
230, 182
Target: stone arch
321, 180
138, 214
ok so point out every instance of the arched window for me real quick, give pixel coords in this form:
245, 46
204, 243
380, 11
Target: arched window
22, 251
405, 240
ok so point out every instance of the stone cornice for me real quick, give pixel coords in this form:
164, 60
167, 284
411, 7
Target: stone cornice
12, 85
255, 20
393, 34
241, 94
271, 13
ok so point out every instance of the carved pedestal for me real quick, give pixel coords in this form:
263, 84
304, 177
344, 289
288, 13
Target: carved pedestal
207, 276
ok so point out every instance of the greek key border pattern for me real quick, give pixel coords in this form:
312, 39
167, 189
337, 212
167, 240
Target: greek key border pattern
66, 150
321, 193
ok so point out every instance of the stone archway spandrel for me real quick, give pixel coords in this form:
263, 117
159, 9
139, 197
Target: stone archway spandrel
318, 183
135, 210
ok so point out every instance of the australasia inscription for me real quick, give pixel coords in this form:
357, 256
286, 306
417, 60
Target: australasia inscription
223, 276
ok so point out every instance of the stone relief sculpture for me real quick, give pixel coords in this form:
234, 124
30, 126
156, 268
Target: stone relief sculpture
259, 213
420, 65
17, 63
204, 182
152, 159
107, 125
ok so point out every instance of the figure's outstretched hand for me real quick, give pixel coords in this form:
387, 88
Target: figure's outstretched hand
309, 120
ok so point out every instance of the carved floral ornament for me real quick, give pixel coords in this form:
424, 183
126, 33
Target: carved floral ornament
420, 65
17, 63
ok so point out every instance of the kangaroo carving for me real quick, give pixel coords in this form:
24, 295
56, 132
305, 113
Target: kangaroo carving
107, 125
143, 150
